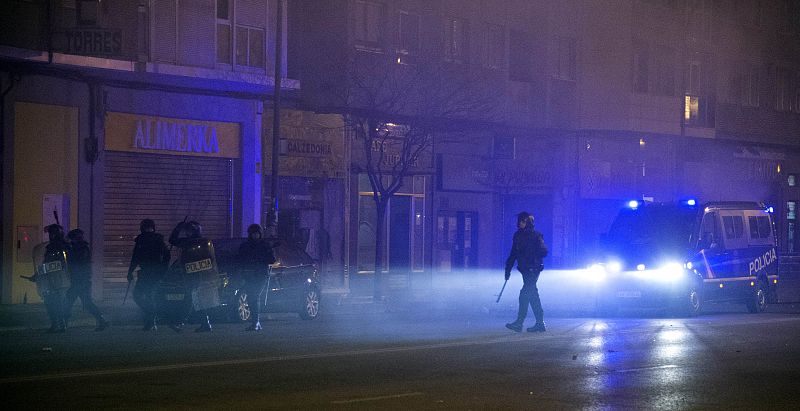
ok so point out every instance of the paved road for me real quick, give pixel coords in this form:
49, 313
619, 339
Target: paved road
415, 360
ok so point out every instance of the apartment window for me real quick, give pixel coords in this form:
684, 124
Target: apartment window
743, 87
88, 11
224, 34
566, 58
368, 23
495, 46
699, 111
249, 46
699, 105
698, 18
520, 62
789, 16
787, 91
409, 38
665, 71
792, 180
455, 40
641, 67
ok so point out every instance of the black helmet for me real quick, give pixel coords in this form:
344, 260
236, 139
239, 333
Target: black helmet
255, 228
147, 225
525, 216
55, 231
193, 229
75, 235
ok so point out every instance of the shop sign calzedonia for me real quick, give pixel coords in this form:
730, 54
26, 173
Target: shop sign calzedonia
163, 135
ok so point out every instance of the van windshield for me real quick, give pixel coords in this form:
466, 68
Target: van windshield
652, 229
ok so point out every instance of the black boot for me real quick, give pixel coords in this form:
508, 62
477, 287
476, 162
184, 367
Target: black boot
204, 326
61, 327
150, 324
102, 324
255, 324
537, 328
516, 326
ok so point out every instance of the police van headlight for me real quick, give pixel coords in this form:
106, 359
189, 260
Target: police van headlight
596, 272
671, 271
614, 266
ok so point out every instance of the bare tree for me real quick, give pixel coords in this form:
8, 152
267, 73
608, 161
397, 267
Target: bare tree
395, 112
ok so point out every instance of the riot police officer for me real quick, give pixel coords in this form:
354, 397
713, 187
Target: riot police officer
52, 276
255, 256
80, 270
528, 250
198, 264
152, 256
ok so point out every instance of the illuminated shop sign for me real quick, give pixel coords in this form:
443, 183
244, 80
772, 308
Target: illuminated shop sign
130, 132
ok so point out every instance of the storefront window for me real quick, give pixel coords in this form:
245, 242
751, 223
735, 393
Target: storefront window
404, 236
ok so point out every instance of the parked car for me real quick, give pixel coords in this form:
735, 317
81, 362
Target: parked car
294, 285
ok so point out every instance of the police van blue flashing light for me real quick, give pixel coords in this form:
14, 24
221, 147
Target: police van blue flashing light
691, 202
634, 204
769, 210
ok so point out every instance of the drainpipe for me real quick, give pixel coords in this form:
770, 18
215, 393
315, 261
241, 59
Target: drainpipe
272, 219
13, 78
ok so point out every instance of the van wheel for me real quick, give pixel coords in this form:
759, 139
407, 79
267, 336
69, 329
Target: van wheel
758, 301
691, 302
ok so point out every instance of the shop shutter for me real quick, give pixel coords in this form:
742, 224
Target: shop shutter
166, 189
164, 40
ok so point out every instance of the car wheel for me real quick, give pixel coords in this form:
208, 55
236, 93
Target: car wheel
242, 307
758, 301
310, 308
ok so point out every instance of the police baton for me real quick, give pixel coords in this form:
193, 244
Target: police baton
126, 293
501, 291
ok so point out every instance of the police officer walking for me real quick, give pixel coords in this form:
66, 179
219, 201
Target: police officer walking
152, 256
528, 250
52, 275
198, 264
255, 256
80, 269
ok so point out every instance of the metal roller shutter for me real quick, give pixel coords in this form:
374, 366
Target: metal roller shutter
165, 189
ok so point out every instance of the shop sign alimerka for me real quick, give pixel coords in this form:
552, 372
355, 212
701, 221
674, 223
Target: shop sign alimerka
130, 132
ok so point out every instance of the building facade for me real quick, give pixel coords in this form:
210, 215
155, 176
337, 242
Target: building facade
598, 103
116, 111
113, 111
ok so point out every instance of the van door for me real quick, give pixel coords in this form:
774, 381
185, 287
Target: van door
712, 247
760, 258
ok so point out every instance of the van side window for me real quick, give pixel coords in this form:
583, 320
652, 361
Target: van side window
734, 226
759, 227
709, 231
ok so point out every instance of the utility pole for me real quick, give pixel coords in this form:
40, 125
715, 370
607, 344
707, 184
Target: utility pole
272, 216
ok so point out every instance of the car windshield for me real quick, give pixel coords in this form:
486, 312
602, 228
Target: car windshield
658, 228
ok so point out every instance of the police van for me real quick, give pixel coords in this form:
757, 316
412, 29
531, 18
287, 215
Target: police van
681, 255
